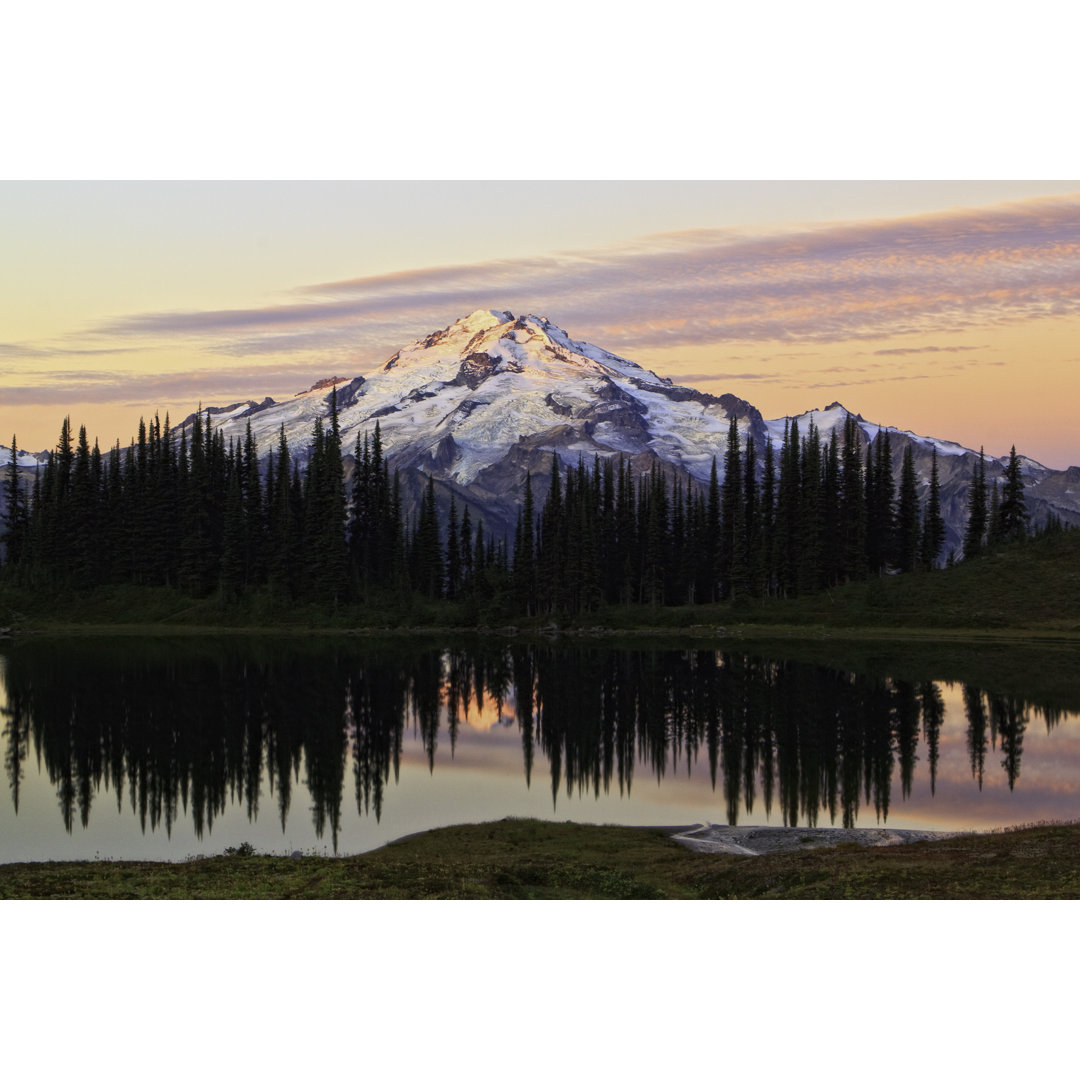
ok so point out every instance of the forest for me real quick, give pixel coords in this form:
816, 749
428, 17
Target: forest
191, 512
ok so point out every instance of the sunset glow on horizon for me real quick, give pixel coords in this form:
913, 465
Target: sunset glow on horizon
949, 309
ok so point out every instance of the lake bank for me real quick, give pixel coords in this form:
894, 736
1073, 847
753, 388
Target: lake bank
528, 859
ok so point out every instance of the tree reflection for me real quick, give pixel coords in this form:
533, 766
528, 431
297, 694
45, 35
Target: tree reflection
977, 740
16, 734
190, 731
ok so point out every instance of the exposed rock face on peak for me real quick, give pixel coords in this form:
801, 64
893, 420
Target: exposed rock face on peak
325, 384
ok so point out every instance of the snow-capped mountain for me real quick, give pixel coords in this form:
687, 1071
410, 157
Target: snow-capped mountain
492, 397
460, 400
23, 460
485, 401
480, 403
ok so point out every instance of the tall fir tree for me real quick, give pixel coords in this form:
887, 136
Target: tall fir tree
453, 553
933, 531
755, 548
524, 568
767, 514
712, 564
811, 515
975, 533
427, 552
14, 510
832, 548
1013, 515
734, 571
788, 499
880, 498
906, 529
853, 504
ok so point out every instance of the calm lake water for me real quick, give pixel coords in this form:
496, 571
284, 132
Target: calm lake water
165, 748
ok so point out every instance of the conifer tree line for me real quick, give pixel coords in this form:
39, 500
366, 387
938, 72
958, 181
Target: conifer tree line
197, 513
814, 515
998, 514
191, 511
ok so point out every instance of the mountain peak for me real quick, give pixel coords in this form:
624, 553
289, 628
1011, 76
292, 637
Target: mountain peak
483, 319
491, 342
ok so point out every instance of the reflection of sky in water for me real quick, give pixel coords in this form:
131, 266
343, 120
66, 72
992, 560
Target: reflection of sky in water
483, 778
1048, 787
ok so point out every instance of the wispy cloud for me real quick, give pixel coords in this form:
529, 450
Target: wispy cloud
17, 350
928, 349
54, 388
849, 282
723, 376
836, 375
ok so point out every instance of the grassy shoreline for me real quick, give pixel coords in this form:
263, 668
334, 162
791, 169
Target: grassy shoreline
528, 859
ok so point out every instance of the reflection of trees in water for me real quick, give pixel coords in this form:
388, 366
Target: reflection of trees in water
1006, 717
191, 731
977, 741
16, 731
933, 714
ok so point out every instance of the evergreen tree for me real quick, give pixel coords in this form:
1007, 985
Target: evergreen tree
906, 529
755, 548
710, 585
233, 555
550, 558
734, 571
14, 510
811, 514
628, 541
832, 525
788, 498
994, 533
324, 512
255, 514
654, 509
82, 520
879, 504
975, 532
453, 553
768, 519
524, 570
933, 532
467, 553
284, 540
427, 558
362, 530
197, 543
1013, 514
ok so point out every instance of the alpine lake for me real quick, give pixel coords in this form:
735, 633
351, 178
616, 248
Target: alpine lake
157, 747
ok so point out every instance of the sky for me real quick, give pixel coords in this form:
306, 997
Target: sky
948, 308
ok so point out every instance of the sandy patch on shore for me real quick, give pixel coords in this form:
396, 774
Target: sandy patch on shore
762, 840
